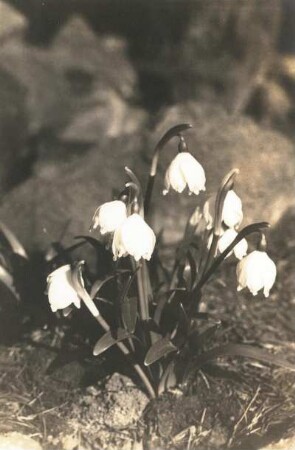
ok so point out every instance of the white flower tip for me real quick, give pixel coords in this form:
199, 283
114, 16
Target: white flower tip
93, 227
257, 271
185, 170
165, 191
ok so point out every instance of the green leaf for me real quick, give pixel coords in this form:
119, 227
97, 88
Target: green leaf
246, 231
92, 241
190, 270
98, 284
246, 351
78, 284
109, 339
161, 348
129, 313
14, 243
168, 379
67, 311
199, 338
161, 305
7, 280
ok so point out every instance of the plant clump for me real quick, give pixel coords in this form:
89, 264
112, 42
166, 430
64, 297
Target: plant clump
156, 315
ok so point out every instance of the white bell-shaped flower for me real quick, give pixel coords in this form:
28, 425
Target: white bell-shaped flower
256, 271
109, 216
240, 250
184, 171
60, 290
232, 213
134, 237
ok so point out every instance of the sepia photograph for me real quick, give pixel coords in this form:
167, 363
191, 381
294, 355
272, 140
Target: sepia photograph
147, 224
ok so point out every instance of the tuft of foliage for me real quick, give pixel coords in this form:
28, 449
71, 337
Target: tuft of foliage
156, 316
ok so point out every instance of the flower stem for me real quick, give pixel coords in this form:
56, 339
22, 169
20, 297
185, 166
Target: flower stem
89, 303
246, 231
226, 185
135, 185
126, 353
172, 132
142, 292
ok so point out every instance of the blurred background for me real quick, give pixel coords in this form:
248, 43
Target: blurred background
102, 78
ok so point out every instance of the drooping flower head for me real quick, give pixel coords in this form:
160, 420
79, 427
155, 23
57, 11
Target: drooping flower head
184, 171
232, 213
109, 216
60, 290
134, 237
256, 271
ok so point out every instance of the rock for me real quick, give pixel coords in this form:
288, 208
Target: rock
77, 48
100, 92
47, 103
74, 81
218, 50
231, 45
12, 21
283, 444
125, 403
66, 194
18, 441
287, 35
112, 119
273, 101
13, 129
106, 417
182, 49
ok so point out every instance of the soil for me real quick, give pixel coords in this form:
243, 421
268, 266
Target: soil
53, 390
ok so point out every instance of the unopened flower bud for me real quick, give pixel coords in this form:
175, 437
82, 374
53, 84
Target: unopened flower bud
61, 292
134, 237
109, 216
184, 171
232, 213
240, 249
256, 271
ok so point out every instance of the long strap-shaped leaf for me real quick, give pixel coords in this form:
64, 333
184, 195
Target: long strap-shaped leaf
246, 231
78, 284
98, 284
13, 241
7, 280
247, 351
129, 313
109, 339
168, 379
161, 348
